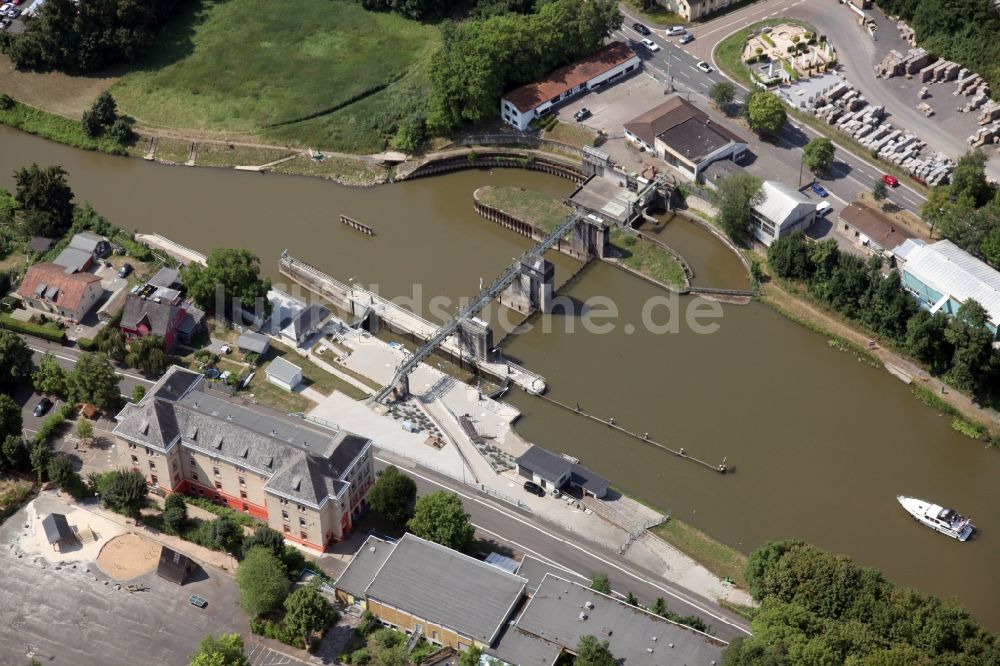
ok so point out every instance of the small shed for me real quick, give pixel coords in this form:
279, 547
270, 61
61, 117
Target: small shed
40, 244
174, 566
256, 343
284, 374
58, 531
555, 472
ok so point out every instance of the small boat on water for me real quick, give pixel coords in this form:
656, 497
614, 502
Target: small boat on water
937, 517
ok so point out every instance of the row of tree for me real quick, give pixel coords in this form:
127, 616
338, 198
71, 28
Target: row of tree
86, 36
483, 58
423, 10
967, 210
819, 608
959, 347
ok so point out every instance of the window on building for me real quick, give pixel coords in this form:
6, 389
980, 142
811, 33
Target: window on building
152, 465
148, 451
153, 479
215, 471
218, 485
284, 515
301, 508
246, 508
135, 460
288, 530
243, 482
193, 462
131, 445
303, 535
194, 475
243, 494
302, 522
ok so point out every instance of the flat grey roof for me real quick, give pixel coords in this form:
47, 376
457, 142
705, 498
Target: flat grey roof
545, 463
554, 615
535, 571
282, 370
253, 342
360, 573
56, 528
604, 196
446, 587
73, 259
695, 139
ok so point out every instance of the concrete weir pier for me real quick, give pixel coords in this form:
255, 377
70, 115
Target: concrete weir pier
470, 343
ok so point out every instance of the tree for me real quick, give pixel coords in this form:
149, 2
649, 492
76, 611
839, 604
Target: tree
765, 113
45, 199
122, 132
138, 392
600, 583
232, 274
969, 179
111, 341
10, 417
61, 473
265, 537
879, 191
592, 652
40, 455
818, 154
84, 430
307, 611
412, 132
471, 657
226, 650
15, 453
972, 342
125, 491
441, 518
50, 378
735, 195
926, 340
393, 495
262, 582
15, 361
723, 94
105, 109
146, 353
225, 535
94, 380
90, 125
175, 513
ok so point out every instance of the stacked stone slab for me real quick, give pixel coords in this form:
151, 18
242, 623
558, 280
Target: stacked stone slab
989, 112
984, 135
942, 70
915, 61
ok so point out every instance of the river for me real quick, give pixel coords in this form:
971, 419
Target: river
820, 443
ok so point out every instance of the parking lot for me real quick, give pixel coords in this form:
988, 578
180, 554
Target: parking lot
12, 14
71, 613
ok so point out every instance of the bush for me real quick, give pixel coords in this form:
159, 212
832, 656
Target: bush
122, 132
237, 517
6, 102
86, 344
28, 328
53, 422
360, 657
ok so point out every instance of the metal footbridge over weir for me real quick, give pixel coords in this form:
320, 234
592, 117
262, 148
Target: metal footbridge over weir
481, 300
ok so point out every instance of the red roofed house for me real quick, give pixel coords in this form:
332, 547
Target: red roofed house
49, 289
522, 105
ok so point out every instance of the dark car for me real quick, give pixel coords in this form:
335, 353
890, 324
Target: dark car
124, 270
819, 189
641, 29
582, 114
687, 38
43, 406
534, 488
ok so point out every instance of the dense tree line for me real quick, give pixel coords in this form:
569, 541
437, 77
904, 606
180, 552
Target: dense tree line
423, 10
86, 36
483, 58
961, 30
967, 210
820, 608
959, 347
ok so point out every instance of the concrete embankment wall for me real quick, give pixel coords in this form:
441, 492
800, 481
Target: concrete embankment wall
522, 227
493, 159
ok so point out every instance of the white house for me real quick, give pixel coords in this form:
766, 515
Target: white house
49, 289
684, 137
783, 210
284, 374
522, 105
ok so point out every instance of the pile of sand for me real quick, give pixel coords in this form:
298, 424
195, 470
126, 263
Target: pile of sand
128, 556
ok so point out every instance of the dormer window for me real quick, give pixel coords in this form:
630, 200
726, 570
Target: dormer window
144, 427
297, 483
218, 442
194, 434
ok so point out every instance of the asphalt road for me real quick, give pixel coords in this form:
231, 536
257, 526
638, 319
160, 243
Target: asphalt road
850, 174
527, 533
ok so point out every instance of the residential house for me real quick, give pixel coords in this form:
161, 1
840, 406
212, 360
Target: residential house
942, 276
153, 312
554, 472
421, 587
872, 230
83, 250
522, 105
308, 482
684, 137
783, 210
284, 374
692, 10
304, 324
49, 289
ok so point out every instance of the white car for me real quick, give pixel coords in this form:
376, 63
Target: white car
675, 30
704, 66
4, 7
823, 207
651, 45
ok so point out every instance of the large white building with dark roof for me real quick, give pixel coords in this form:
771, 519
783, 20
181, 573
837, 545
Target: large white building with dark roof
305, 481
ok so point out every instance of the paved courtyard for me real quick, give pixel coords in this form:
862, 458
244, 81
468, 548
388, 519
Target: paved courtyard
70, 613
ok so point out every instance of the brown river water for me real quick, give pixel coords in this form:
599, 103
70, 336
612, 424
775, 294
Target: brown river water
819, 442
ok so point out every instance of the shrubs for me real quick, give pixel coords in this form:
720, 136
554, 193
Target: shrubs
54, 421
44, 331
237, 517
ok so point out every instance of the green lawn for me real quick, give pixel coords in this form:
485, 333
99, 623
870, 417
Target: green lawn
715, 556
312, 375
262, 69
648, 259
535, 208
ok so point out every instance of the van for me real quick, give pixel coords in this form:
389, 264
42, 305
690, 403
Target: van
823, 208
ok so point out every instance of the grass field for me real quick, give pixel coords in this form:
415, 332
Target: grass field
574, 135
717, 557
648, 259
533, 207
308, 73
57, 128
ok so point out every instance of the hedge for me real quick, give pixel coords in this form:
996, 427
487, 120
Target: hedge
54, 421
38, 330
86, 344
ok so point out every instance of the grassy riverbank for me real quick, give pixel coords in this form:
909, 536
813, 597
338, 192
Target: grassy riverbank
56, 128
531, 206
324, 73
717, 557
